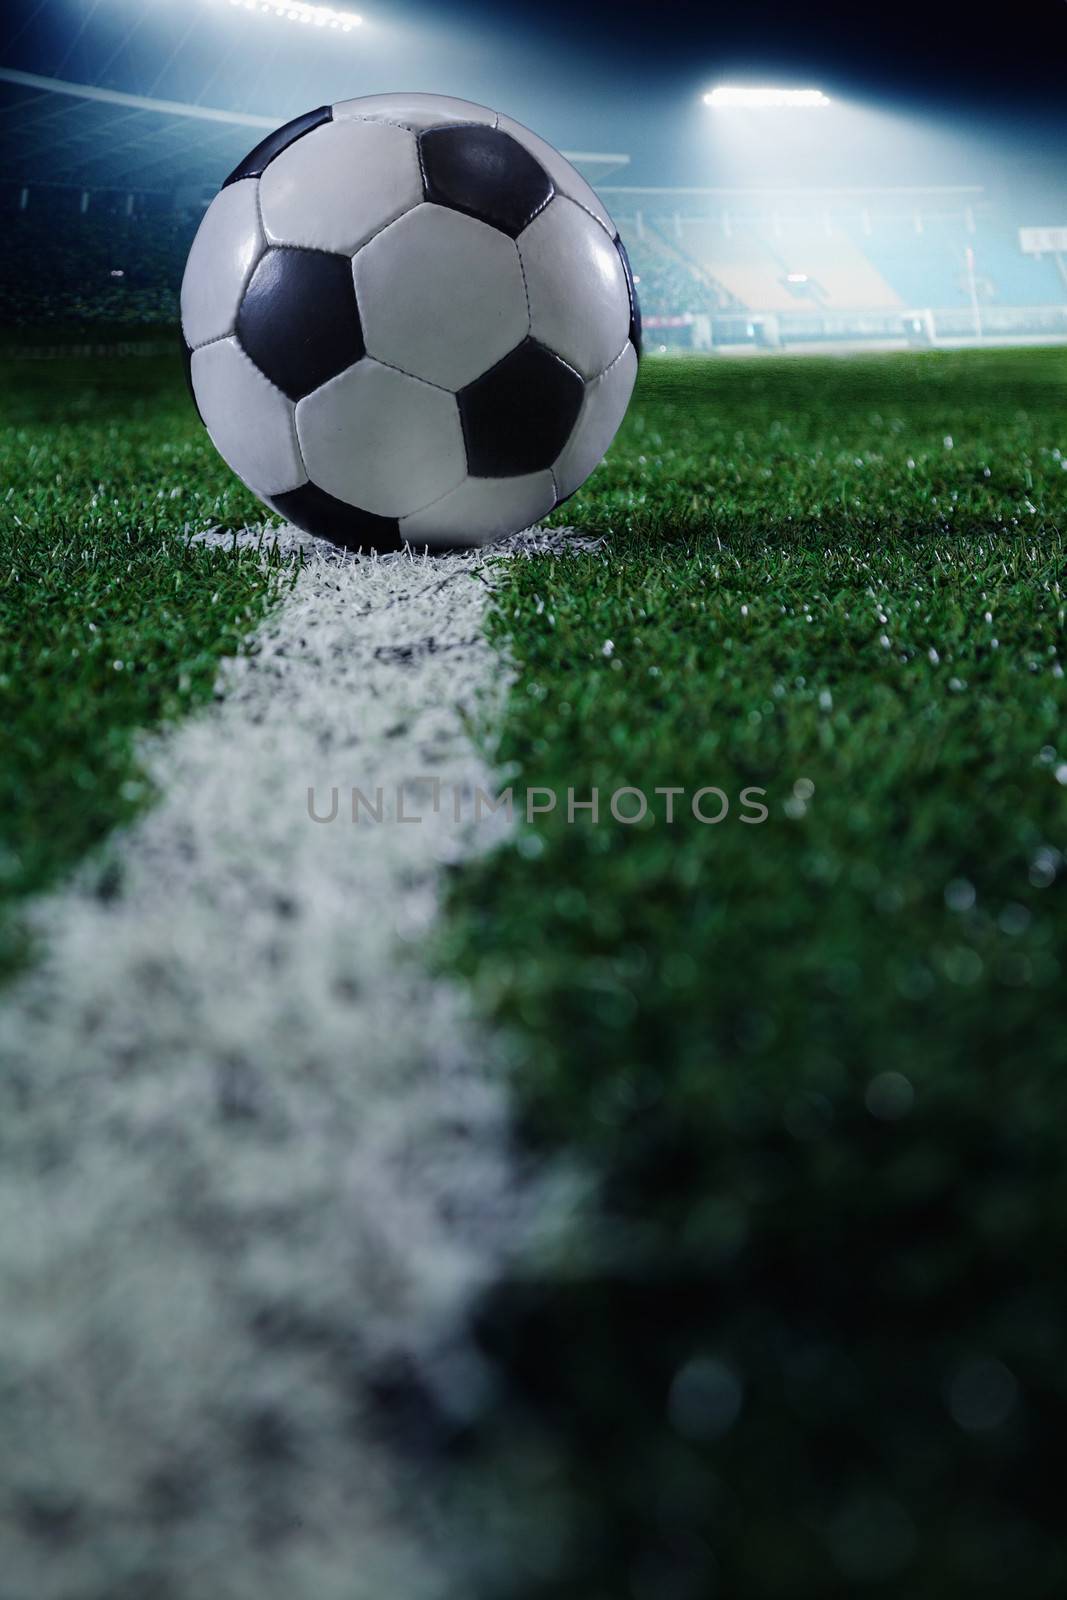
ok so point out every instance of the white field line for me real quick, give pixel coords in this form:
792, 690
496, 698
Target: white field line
253, 1156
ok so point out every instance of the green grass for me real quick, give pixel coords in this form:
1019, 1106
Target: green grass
812, 1340
110, 621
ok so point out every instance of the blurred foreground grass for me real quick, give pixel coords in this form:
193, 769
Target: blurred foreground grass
110, 621
812, 1340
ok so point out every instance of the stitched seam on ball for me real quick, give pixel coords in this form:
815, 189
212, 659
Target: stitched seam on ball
217, 338
525, 290
404, 373
604, 371
231, 332
258, 370
422, 167
562, 361
387, 122
259, 217
542, 207
582, 207
380, 122
418, 510
437, 499
299, 446
370, 239
324, 249
466, 437
290, 406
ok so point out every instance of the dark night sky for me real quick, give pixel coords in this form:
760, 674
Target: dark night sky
947, 52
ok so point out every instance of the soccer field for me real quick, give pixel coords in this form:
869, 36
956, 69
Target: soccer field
803, 1047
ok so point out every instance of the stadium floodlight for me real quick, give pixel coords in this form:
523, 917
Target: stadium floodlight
300, 11
735, 95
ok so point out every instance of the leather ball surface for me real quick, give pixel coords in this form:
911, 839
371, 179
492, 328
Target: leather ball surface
407, 319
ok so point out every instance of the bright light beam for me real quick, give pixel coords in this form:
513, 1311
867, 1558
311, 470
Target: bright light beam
734, 95
299, 11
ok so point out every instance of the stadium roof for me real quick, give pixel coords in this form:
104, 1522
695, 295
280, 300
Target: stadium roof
96, 138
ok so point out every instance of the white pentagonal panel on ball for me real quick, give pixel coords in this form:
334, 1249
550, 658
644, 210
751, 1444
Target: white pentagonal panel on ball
566, 179
337, 186
249, 420
482, 508
227, 246
441, 296
603, 408
381, 440
414, 110
579, 302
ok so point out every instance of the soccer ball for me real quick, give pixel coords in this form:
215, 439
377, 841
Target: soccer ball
407, 319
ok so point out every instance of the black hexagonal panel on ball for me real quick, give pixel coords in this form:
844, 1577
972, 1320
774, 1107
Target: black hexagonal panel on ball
486, 174
258, 160
298, 319
518, 416
312, 509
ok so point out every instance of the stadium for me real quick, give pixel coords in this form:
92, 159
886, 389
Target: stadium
128, 176
532, 1062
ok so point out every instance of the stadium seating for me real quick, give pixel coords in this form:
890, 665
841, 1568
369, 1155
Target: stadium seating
740, 261
929, 267
1016, 280
787, 264
668, 285
91, 270
813, 271
853, 260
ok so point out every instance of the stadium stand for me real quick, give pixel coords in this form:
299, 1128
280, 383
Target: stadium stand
669, 284
1015, 279
92, 270
882, 265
